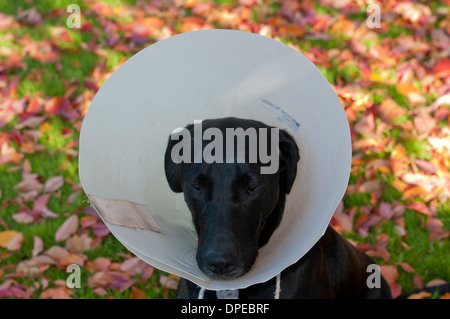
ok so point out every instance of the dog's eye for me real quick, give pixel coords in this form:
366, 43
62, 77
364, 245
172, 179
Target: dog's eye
196, 187
250, 189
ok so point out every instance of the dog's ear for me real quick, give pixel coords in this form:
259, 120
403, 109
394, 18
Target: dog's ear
289, 156
172, 169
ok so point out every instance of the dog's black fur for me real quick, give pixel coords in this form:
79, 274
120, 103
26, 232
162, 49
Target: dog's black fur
236, 209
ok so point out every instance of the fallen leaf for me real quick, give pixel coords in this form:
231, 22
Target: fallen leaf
6, 236
424, 122
100, 230
79, 244
435, 282
366, 124
426, 166
437, 230
389, 110
385, 210
13, 292
23, 218
417, 281
102, 264
291, 31
29, 16
406, 267
442, 68
413, 192
389, 273
137, 293
56, 105
370, 186
40, 206
15, 243
407, 88
129, 266
67, 228
38, 246
420, 207
53, 183
57, 293
419, 295
446, 296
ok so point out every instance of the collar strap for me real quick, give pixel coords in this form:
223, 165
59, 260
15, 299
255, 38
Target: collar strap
234, 293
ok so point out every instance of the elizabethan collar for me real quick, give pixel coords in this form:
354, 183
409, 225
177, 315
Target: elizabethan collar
205, 75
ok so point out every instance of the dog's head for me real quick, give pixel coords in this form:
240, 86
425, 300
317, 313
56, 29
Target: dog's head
236, 199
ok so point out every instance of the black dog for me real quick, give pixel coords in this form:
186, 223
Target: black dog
236, 208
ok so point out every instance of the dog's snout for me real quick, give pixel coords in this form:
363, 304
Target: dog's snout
220, 263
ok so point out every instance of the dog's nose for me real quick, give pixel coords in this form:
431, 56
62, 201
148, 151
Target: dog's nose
221, 264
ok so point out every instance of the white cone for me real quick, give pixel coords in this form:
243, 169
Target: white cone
196, 76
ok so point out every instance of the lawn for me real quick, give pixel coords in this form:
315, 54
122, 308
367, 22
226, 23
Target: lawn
393, 81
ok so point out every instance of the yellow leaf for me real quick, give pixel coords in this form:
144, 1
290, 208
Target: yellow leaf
6, 236
384, 169
384, 75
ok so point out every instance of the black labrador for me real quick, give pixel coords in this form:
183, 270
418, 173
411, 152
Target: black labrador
236, 208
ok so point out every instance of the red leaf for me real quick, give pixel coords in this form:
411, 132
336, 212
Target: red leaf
406, 267
389, 273
442, 68
396, 290
420, 207
424, 122
15, 292
57, 105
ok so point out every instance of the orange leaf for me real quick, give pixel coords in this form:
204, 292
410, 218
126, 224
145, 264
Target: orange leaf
137, 293
57, 293
44, 127
389, 110
407, 88
399, 185
419, 295
413, 192
291, 31
6, 236
446, 296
